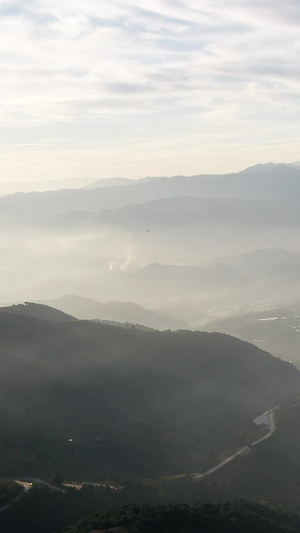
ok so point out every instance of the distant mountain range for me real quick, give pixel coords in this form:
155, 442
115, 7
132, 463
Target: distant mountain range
84, 399
87, 308
45, 185
262, 262
157, 242
171, 283
281, 182
274, 330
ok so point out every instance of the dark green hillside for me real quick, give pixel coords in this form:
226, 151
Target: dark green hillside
84, 399
38, 311
231, 517
44, 510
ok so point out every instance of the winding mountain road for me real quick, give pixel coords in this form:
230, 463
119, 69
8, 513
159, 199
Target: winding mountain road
267, 419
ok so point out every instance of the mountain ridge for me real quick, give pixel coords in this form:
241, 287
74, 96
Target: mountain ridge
131, 401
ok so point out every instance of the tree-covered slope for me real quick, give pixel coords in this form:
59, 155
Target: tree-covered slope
46, 511
231, 517
81, 398
38, 311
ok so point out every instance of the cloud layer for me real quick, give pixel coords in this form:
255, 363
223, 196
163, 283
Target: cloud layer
104, 88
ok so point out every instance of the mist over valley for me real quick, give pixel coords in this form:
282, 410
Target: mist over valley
144, 327
149, 266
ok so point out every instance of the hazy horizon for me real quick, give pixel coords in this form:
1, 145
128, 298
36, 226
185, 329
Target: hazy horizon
43, 185
114, 89
149, 263
187, 248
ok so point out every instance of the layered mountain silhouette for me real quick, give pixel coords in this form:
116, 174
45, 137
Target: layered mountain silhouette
280, 182
87, 308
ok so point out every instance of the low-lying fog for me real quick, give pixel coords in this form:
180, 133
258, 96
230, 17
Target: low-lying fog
189, 255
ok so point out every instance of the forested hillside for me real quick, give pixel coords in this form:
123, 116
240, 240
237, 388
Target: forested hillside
231, 517
84, 399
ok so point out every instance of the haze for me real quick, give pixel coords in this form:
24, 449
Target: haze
149, 265
187, 248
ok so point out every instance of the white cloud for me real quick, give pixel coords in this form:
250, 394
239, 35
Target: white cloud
111, 70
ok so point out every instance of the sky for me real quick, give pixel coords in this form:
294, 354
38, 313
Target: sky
97, 88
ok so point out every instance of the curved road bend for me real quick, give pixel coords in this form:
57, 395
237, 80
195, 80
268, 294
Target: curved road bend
267, 419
